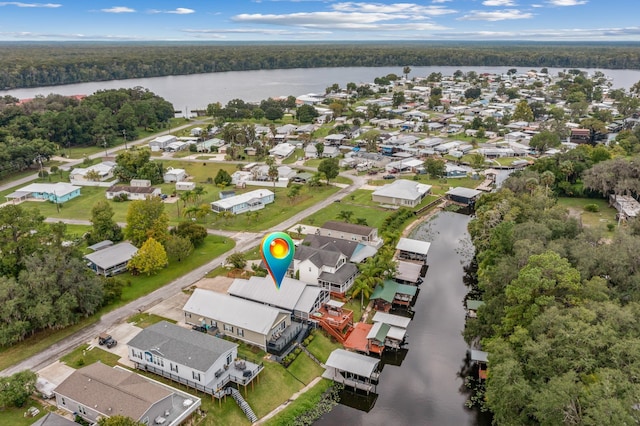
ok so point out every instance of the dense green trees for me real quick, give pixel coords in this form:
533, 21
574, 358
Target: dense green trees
329, 168
16, 389
32, 65
146, 219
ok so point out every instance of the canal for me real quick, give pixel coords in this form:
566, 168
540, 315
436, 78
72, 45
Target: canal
427, 387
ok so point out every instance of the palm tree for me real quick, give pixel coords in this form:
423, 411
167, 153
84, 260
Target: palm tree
547, 178
345, 215
191, 211
361, 287
198, 192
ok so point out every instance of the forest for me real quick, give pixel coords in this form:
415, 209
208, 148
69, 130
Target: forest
47, 64
561, 299
36, 130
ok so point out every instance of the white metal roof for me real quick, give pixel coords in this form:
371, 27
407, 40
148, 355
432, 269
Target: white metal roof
112, 255
480, 356
393, 320
60, 189
262, 289
361, 365
403, 189
232, 310
335, 303
229, 202
413, 246
396, 333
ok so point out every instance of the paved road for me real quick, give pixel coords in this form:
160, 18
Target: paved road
244, 242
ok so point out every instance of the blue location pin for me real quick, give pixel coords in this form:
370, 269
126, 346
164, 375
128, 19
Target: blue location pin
277, 252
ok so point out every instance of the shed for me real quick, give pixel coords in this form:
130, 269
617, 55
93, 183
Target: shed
185, 186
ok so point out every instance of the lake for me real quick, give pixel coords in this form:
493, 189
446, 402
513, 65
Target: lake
196, 91
427, 388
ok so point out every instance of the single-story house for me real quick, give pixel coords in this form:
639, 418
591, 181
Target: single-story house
177, 146
352, 369
299, 298
282, 150
392, 293
98, 172
196, 131
627, 206
185, 186
409, 249
111, 260
160, 143
461, 195
249, 201
310, 151
242, 319
349, 231
199, 358
133, 192
58, 193
401, 192
453, 171
330, 152
98, 390
174, 175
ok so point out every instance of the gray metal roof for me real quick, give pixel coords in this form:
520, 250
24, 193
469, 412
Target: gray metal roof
480, 356
100, 245
308, 298
361, 365
262, 290
408, 271
113, 255
184, 346
53, 419
413, 246
403, 189
395, 320
345, 272
232, 310
460, 191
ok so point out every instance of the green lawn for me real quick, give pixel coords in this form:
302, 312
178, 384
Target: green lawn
361, 206
298, 153
595, 220
322, 345
314, 162
304, 368
145, 319
80, 357
302, 404
355, 306
14, 416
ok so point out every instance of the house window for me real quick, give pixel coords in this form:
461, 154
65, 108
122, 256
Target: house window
173, 368
196, 376
213, 323
229, 358
228, 328
63, 401
240, 332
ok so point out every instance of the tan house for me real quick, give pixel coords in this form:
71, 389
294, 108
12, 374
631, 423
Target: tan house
349, 231
402, 192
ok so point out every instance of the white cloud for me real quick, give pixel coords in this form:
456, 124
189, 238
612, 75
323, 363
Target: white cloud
567, 2
497, 15
440, 1
20, 4
392, 8
119, 9
181, 11
498, 3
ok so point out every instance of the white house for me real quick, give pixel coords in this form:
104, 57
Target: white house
161, 142
111, 260
401, 192
327, 266
185, 186
133, 192
249, 201
174, 175
98, 172
199, 358
242, 319
282, 150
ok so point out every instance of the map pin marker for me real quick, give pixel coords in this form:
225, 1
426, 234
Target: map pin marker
277, 252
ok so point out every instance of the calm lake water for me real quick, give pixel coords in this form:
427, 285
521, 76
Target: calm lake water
427, 388
189, 92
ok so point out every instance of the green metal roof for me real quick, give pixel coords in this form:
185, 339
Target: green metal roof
382, 333
388, 289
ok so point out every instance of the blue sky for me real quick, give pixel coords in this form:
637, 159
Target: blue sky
297, 20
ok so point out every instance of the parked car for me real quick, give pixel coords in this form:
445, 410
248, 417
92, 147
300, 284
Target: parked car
372, 172
388, 177
105, 339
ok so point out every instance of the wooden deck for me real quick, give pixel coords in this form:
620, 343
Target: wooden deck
338, 322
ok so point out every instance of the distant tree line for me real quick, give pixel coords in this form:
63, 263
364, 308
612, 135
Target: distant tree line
42, 64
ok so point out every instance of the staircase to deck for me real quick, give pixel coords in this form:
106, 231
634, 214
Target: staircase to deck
333, 332
244, 405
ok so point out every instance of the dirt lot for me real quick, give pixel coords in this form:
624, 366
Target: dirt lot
219, 284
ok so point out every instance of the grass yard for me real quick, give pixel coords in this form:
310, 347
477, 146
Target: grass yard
144, 320
596, 220
314, 162
322, 345
298, 153
80, 357
361, 206
304, 369
355, 306
275, 387
274, 213
15, 416
302, 404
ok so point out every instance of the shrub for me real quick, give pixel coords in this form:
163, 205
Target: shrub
593, 208
611, 226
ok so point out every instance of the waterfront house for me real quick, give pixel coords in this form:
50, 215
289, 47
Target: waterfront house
192, 357
464, 196
391, 293
252, 322
57, 193
349, 231
111, 260
98, 390
325, 265
249, 201
352, 370
355, 251
401, 192
414, 250
300, 298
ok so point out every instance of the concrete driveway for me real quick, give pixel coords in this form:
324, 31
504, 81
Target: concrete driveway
56, 373
171, 307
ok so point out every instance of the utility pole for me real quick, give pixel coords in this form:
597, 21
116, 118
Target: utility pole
104, 143
124, 135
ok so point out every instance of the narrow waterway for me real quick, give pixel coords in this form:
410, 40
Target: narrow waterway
427, 387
